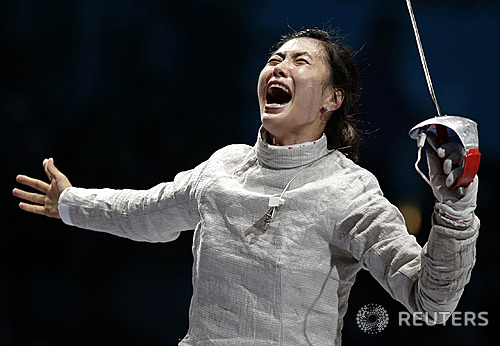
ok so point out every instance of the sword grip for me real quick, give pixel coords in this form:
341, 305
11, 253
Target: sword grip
471, 163
442, 134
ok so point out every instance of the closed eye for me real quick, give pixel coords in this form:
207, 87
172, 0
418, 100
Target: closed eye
273, 61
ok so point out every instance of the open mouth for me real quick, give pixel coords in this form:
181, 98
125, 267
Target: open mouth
277, 95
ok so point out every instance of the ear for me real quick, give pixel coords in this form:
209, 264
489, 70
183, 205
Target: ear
334, 99
337, 98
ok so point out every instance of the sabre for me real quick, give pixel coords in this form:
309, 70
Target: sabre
446, 125
423, 60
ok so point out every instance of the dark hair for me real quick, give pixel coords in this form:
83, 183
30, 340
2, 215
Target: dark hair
340, 129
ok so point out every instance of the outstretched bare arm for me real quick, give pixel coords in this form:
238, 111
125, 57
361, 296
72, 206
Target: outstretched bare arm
47, 202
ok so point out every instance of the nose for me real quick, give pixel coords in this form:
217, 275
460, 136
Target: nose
280, 70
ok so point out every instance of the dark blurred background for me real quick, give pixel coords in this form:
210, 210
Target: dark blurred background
125, 94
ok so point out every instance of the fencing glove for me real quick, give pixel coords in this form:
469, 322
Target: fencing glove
456, 211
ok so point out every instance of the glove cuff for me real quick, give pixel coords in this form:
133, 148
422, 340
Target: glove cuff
446, 216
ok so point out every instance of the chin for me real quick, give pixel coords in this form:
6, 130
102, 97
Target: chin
271, 120
273, 114
275, 126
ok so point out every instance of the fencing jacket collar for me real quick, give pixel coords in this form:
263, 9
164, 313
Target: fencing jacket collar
292, 156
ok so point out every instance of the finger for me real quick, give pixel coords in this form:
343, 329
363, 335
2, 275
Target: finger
434, 162
36, 209
34, 183
28, 196
456, 159
448, 149
432, 140
46, 168
453, 176
51, 170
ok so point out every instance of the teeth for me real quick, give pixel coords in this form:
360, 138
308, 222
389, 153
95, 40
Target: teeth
279, 86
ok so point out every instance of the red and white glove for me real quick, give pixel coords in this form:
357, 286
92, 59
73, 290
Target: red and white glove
456, 211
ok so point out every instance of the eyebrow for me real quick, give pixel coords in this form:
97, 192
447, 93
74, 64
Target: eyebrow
294, 55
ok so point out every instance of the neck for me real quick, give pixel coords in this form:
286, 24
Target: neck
290, 139
283, 134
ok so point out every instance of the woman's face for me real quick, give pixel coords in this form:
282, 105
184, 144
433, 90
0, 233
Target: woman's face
292, 93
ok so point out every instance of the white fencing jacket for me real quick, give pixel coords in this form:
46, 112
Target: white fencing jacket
287, 284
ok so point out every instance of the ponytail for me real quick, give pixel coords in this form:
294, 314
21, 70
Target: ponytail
342, 135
